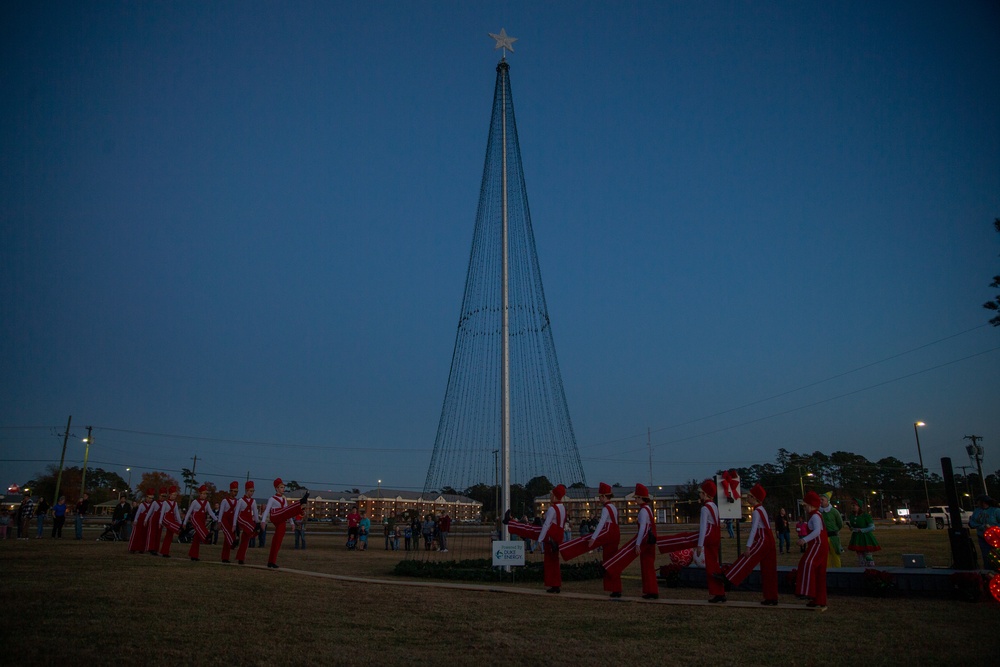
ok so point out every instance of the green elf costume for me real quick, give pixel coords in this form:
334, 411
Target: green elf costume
863, 541
833, 522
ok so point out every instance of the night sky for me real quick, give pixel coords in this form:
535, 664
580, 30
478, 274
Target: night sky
240, 231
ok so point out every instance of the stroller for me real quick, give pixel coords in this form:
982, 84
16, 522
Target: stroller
112, 532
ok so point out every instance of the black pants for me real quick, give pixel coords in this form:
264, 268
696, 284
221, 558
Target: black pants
57, 524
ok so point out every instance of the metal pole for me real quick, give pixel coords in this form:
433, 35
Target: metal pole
62, 459
649, 444
505, 328
977, 451
923, 473
86, 454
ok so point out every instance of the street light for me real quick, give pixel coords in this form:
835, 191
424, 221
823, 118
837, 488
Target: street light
86, 453
802, 486
129, 471
923, 474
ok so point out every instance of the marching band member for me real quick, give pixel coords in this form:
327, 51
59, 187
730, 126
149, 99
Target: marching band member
137, 541
197, 511
279, 511
170, 517
153, 531
227, 511
606, 536
246, 519
760, 549
811, 581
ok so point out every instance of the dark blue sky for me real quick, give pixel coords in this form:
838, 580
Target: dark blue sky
251, 222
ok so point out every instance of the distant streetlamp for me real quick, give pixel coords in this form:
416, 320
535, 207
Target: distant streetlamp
129, 471
923, 474
802, 486
86, 454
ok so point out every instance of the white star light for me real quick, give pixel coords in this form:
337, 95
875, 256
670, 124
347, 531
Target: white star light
504, 41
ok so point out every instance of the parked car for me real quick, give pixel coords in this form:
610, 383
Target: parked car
940, 515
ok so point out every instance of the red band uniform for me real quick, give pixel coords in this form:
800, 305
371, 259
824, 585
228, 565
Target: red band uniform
197, 512
246, 519
227, 515
279, 510
170, 518
645, 539
153, 531
137, 541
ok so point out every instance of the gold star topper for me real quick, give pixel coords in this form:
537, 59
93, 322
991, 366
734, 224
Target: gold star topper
504, 41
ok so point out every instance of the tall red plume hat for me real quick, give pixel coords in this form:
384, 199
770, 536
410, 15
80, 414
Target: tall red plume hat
708, 486
234, 486
758, 492
203, 488
641, 491
172, 489
277, 482
811, 498
604, 490
163, 490
559, 491
248, 485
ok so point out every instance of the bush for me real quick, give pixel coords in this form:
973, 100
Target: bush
481, 569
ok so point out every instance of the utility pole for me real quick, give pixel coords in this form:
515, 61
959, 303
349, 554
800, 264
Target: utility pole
975, 451
62, 459
187, 486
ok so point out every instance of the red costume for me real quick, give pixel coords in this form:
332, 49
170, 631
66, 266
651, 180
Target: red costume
760, 549
606, 536
170, 517
646, 539
197, 511
247, 520
279, 511
549, 535
153, 524
710, 539
137, 541
227, 513
811, 576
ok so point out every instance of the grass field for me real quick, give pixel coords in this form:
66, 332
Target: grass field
90, 602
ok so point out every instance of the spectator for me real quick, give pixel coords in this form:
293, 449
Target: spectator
4, 523
364, 527
415, 530
783, 530
119, 517
407, 536
729, 527
567, 531
802, 529
24, 514
427, 530
585, 527
353, 524
388, 524
396, 530
129, 520
58, 517
985, 516
300, 531
82, 510
41, 509
444, 528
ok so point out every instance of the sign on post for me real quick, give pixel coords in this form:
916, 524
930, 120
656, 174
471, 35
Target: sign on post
508, 552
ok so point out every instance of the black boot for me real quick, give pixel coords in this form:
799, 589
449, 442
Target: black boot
507, 518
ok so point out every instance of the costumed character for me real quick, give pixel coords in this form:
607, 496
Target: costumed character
605, 536
811, 579
760, 549
863, 541
833, 522
641, 546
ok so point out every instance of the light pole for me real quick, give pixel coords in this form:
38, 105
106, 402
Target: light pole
379, 501
86, 454
129, 471
923, 473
